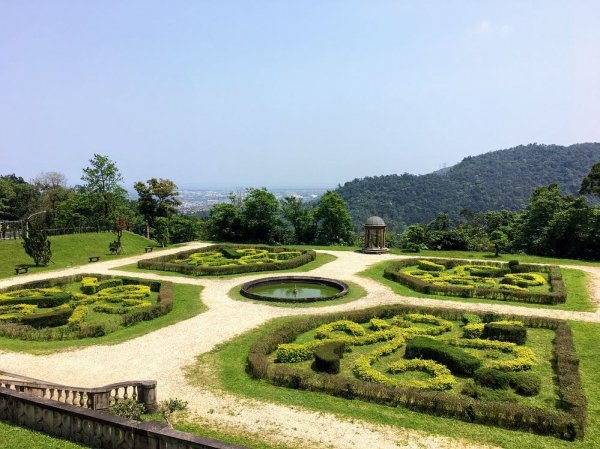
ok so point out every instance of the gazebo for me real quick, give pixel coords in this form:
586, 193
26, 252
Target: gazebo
375, 236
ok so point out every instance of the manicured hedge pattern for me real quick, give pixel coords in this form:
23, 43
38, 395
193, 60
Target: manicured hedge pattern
166, 263
567, 423
557, 295
67, 320
457, 360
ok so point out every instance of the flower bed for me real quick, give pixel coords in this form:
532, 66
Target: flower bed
80, 306
487, 280
230, 259
422, 359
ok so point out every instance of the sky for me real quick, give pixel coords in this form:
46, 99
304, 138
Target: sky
280, 93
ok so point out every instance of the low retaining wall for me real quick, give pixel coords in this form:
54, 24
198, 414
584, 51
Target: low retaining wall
96, 429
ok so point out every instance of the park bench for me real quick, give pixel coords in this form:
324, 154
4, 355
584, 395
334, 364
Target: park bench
148, 249
94, 258
21, 269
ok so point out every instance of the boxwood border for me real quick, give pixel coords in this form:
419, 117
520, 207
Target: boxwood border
557, 295
164, 263
567, 423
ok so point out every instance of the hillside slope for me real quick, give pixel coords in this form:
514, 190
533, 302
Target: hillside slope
501, 179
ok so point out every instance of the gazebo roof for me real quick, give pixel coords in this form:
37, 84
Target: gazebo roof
375, 221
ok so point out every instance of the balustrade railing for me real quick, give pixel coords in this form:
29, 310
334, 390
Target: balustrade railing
99, 398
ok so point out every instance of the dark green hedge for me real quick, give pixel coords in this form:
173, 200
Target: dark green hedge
456, 359
492, 378
505, 332
557, 295
568, 423
165, 263
51, 318
47, 301
327, 357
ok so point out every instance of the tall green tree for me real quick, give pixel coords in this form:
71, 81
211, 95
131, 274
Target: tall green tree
18, 198
36, 245
300, 217
224, 222
102, 181
161, 231
260, 216
591, 183
157, 198
333, 222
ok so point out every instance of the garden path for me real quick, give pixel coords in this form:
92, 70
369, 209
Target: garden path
164, 354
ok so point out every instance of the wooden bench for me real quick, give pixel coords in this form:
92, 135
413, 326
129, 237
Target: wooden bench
94, 258
21, 269
148, 249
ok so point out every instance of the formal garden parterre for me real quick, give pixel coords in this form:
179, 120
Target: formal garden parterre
512, 281
230, 259
483, 368
80, 306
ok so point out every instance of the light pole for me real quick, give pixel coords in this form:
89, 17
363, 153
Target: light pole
27, 221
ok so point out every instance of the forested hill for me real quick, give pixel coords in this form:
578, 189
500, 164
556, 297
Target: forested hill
497, 180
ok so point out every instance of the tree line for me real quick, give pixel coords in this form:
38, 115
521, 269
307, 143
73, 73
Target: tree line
552, 224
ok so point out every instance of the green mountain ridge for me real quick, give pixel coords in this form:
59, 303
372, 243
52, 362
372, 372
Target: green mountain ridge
502, 179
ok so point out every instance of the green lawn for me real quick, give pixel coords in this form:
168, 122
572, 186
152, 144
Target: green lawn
355, 292
578, 298
320, 260
187, 304
524, 258
70, 250
224, 368
15, 437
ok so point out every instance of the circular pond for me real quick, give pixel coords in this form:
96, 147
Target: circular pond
294, 289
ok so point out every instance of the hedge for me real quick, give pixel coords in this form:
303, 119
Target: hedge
164, 263
327, 357
457, 360
557, 295
505, 332
34, 327
568, 422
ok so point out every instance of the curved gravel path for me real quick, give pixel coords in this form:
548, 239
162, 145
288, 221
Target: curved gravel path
178, 345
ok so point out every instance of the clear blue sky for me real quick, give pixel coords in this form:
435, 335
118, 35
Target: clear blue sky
290, 93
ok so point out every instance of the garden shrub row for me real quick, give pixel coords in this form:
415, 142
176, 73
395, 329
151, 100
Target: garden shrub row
505, 332
456, 359
557, 295
165, 263
567, 423
64, 323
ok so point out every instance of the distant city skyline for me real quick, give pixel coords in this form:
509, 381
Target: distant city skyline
215, 95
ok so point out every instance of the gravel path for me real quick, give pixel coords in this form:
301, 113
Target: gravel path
162, 355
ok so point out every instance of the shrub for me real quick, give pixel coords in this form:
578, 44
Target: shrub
58, 316
128, 408
492, 378
513, 266
327, 357
471, 318
427, 265
526, 383
88, 285
505, 332
109, 283
457, 360
170, 406
230, 253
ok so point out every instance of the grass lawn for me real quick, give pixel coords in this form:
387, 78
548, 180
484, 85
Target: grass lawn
70, 250
355, 292
320, 260
187, 304
524, 258
576, 281
15, 437
224, 368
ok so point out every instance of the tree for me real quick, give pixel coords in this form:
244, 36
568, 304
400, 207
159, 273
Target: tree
185, 229
161, 231
260, 216
333, 222
119, 226
301, 218
102, 180
37, 246
18, 198
53, 190
157, 198
499, 239
591, 183
224, 222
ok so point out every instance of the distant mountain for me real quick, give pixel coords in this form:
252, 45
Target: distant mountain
501, 179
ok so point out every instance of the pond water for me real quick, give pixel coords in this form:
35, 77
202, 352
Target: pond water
298, 290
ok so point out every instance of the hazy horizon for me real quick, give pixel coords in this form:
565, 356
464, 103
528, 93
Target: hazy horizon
308, 94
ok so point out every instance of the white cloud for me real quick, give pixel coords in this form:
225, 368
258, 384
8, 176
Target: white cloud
486, 27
